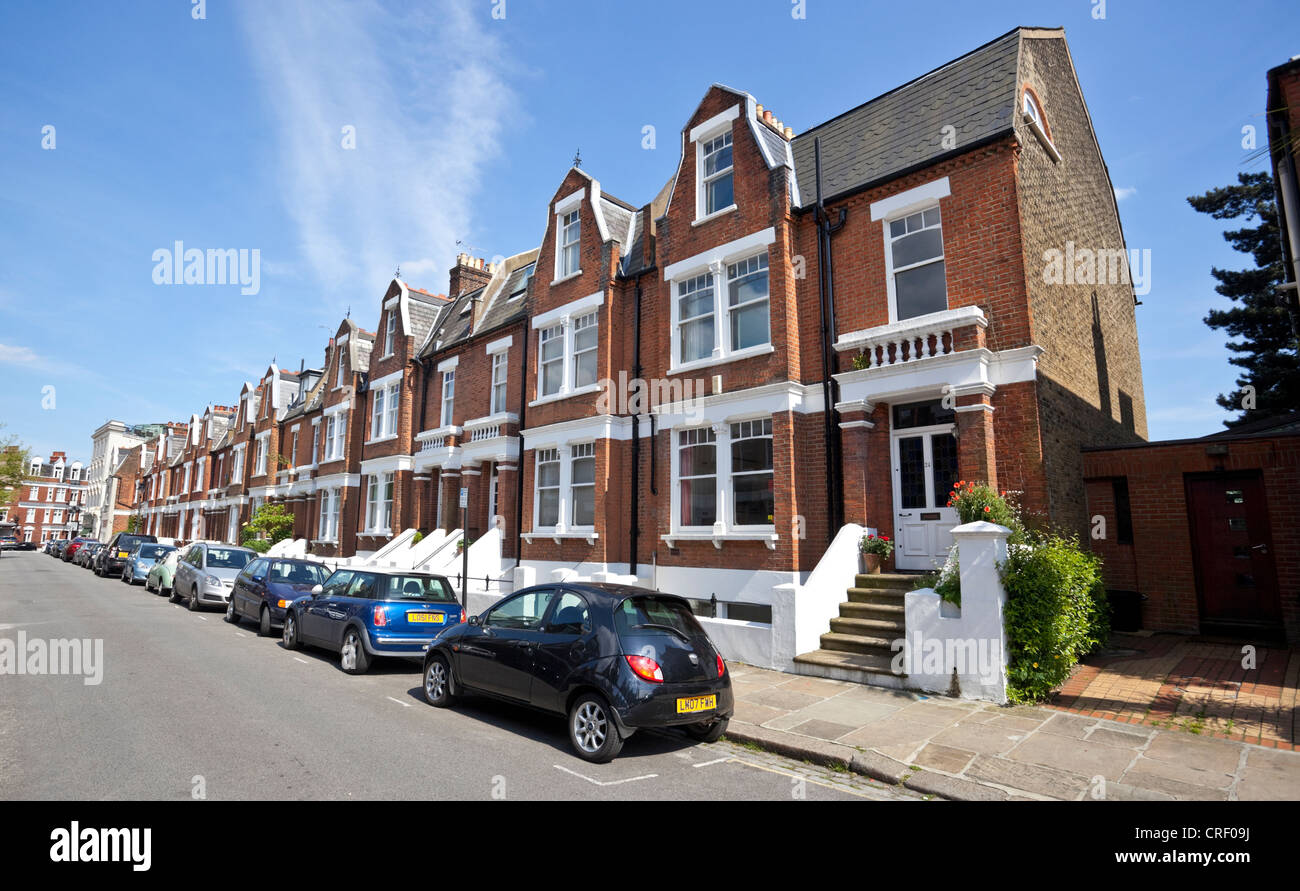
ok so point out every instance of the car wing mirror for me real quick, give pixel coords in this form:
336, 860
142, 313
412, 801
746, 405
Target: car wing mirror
317, 590
475, 620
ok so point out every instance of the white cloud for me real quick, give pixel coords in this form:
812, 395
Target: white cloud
1122, 192
425, 90
17, 355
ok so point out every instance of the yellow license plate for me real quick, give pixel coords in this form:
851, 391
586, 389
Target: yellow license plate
122, 555
434, 618
688, 704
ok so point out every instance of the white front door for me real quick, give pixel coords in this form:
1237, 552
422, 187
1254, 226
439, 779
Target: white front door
925, 469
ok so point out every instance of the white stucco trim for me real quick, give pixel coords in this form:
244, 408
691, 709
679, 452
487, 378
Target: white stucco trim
714, 125
499, 346
912, 199
723, 253
572, 308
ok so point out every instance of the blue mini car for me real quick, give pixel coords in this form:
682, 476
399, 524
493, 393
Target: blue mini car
364, 613
142, 559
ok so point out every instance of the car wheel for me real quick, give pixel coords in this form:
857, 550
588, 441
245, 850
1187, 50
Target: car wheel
264, 622
231, 616
592, 731
172, 596
707, 731
353, 657
290, 632
437, 682
194, 600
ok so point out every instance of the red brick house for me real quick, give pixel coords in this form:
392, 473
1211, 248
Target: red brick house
49, 502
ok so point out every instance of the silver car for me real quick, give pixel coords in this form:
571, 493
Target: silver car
206, 573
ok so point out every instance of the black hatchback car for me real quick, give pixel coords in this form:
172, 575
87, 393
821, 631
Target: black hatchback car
613, 658
112, 558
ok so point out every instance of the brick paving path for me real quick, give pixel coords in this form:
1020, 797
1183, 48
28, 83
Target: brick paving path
1191, 684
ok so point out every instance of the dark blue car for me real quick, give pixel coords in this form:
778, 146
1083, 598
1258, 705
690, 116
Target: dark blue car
364, 613
265, 587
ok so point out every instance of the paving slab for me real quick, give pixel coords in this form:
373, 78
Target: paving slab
979, 738
944, 758
1085, 758
1270, 775
1047, 781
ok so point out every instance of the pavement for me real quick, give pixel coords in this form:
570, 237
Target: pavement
192, 707
964, 750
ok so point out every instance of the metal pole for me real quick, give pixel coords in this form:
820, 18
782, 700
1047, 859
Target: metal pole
464, 556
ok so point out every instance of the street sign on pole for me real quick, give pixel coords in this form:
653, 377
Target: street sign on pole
464, 550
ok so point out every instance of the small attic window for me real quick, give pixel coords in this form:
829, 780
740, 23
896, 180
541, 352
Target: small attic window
1033, 116
523, 287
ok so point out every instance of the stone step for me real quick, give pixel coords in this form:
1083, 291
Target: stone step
898, 581
891, 612
873, 644
876, 595
855, 667
871, 628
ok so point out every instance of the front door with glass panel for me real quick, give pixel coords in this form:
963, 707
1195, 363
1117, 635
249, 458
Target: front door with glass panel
924, 458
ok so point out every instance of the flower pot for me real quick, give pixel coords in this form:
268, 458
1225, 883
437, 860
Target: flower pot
870, 564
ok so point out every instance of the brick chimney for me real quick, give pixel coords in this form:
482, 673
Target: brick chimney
468, 273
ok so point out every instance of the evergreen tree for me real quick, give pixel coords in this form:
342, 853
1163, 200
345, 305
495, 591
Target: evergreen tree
1265, 344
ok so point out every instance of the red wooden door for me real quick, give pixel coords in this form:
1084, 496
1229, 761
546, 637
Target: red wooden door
1233, 549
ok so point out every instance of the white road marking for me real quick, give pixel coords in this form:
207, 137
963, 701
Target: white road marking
241, 634
649, 776
203, 618
399, 702
714, 761
303, 661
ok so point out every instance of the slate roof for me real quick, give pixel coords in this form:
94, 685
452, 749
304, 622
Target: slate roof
425, 310
903, 129
500, 309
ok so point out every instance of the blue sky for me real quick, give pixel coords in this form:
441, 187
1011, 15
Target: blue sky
226, 132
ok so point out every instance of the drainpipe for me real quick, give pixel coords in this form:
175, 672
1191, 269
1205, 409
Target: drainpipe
634, 529
830, 388
519, 465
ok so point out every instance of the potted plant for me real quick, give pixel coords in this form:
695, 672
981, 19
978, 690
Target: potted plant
875, 549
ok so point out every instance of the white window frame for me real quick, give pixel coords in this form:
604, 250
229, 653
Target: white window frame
766, 432
499, 393
565, 244
553, 454
701, 135
379, 501
563, 317
716, 263
707, 147
260, 454
390, 332
578, 451
676, 523
315, 435
562, 209
891, 273
725, 524
447, 408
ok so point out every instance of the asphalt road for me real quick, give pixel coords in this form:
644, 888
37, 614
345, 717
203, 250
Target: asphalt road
189, 704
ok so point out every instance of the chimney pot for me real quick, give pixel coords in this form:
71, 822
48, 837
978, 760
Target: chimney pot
789, 133
767, 116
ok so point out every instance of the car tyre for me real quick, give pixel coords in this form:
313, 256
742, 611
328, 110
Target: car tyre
232, 617
353, 656
172, 596
592, 731
290, 633
193, 605
707, 731
264, 622
437, 682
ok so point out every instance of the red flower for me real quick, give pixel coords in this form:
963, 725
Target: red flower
987, 508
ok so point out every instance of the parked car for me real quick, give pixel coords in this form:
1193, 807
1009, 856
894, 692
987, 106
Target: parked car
8, 543
162, 573
142, 559
206, 573
265, 587
113, 557
364, 613
613, 658
73, 546
57, 546
26, 546
86, 553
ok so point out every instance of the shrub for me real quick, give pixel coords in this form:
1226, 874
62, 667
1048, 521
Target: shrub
1055, 613
979, 501
261, 545
270, 523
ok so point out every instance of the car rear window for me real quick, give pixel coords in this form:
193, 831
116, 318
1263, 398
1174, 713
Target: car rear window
153, 551
415, 587
228, 558
127, 542
297, 574
637, 616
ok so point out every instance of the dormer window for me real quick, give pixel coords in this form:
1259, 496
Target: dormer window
716, 181
570, 236
339, 378
390, 333
1032, 112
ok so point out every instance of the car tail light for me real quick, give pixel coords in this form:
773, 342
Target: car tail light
283, 604
381, 617
461, 620
646, 668
722, 666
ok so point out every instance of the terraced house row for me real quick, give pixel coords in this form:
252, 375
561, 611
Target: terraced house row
798, 335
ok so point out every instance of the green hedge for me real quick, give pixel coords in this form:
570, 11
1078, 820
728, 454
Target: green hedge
1056, 612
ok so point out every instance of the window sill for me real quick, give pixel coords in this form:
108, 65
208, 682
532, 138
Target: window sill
589, 535
708, 218
373, 532
747, 353
324, 541
768, 538
566, 394
389, 438
571, 275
